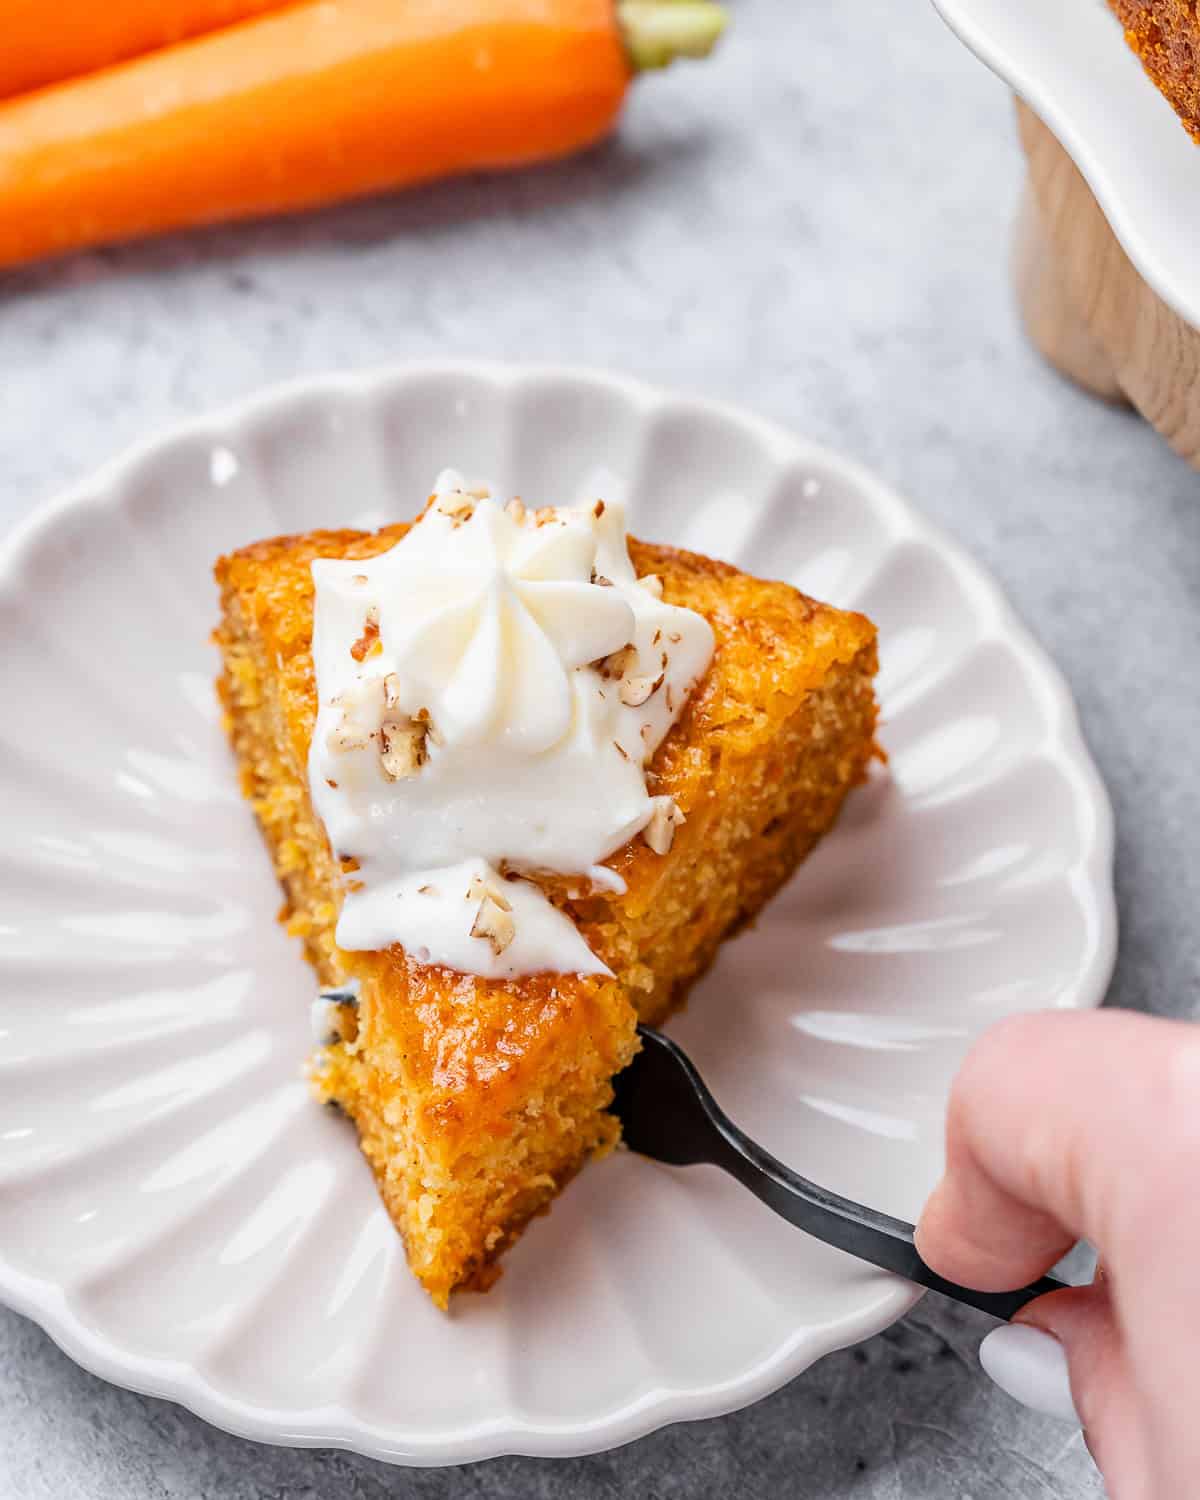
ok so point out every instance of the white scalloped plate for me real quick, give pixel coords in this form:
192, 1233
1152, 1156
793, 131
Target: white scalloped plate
174, 1210
1068, 59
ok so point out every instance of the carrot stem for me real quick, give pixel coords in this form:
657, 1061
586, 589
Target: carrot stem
657, 32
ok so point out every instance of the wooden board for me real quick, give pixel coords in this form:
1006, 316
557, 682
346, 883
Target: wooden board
1086, 307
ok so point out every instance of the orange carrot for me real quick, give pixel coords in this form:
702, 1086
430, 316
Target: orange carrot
322, 101
41, 43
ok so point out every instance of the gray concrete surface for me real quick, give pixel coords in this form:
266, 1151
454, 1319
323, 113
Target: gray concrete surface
816, 224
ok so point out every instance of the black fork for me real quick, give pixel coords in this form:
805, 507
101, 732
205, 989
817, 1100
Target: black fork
666, 1112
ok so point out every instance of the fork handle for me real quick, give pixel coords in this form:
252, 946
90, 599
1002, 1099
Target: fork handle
861, 1231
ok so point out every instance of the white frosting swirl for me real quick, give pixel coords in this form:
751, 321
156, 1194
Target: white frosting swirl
489, 691
485, 620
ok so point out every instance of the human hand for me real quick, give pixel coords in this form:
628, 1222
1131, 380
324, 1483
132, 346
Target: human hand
1065, 1126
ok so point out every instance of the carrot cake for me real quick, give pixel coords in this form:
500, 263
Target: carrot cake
1165, 34
519, 775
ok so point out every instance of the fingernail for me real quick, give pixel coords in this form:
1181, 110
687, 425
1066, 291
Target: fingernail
1031, 1367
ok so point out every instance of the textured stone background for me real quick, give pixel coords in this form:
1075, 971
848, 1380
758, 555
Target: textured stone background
816, 224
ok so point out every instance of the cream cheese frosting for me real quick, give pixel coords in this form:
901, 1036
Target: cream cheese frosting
490, 691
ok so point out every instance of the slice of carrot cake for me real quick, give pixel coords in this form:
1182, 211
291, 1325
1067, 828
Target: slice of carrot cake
520, 775
1165, 34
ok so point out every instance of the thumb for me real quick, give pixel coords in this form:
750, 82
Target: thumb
1064, 1355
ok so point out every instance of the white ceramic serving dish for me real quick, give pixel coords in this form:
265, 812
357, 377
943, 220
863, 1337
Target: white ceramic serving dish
173, 1208
1069, 61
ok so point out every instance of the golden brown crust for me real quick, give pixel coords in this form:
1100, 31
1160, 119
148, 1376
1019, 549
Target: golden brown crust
475, 1100
1165, 34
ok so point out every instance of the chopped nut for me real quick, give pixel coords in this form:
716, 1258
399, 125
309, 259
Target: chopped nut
425, 719
635, 690
659, 832
347, 737
494, 923
457, 503
616, 664
516, 509
359, 706
402, 750
482, 890
370, 635
653, 583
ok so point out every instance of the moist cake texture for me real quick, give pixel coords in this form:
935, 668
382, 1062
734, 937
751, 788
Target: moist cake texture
476, 1099
1165, 34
